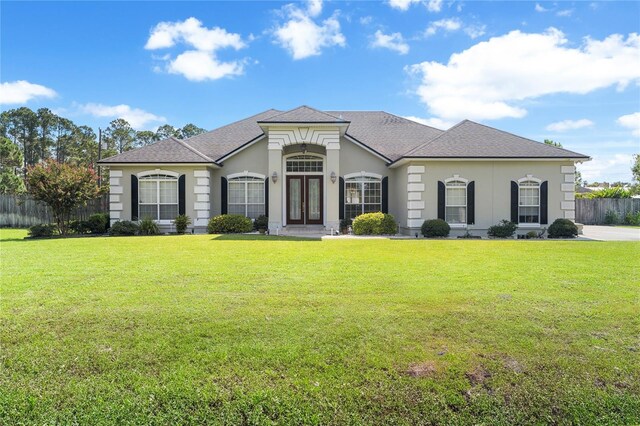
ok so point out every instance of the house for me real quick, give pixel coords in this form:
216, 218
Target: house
310, 168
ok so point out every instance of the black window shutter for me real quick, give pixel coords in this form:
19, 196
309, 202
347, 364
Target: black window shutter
134, 197
266, 197
471, 203
544, 195
341, 198
441, 190
385, 194
514, 202
223, 195
181, 195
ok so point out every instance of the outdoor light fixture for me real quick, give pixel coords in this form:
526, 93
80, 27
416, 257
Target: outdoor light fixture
274, 177
333, 177
303, 148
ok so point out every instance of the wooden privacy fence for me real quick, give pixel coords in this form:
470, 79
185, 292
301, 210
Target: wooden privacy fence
21, 211
592, 211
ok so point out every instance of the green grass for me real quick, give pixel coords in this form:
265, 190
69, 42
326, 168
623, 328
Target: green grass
243, 330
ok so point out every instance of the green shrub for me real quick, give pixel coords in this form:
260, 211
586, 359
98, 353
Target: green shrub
374, 224
124, 227
532, 234
98, 223
262, 222
433, 228
615, 192
79, 227
229, 224
611, 217
345, 223
149, 227
42, 230
563, 228
182, 222
504, 229
632, 219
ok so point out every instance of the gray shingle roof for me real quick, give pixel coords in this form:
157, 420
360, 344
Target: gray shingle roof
165, 151
386, 133
391, 136
303, 114
472, 140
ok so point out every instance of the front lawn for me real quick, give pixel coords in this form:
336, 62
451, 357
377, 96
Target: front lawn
198, 329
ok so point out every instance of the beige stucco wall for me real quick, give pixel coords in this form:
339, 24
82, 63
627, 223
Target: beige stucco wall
492, 187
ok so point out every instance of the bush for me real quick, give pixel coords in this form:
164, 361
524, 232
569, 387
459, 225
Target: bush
374, 224
42, 230
181, 222
563, 228
262, 222
615, 192
229, 224
632, 219
149, 227
505, 229
611, 217
124, 227
435, 228
79, 226
345, 223
98, 223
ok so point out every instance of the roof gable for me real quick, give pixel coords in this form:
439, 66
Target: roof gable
303, 114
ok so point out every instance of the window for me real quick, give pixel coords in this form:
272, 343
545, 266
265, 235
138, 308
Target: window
362, 194
158, 197
456, 202
246, 196
304, 163
529, 202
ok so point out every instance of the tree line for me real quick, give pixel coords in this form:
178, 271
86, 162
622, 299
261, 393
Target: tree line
30, 137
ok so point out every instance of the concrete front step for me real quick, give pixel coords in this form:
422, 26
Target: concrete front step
304, 230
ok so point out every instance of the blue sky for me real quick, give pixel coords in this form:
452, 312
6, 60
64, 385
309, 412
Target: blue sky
568, 71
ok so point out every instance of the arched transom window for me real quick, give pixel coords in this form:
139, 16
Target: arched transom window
246, 196
529, 201
304, 164
456, 201
158, 197
362, 194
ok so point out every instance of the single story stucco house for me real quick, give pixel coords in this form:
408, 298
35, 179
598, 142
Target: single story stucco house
308, 169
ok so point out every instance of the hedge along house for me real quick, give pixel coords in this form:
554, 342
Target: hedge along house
308, 169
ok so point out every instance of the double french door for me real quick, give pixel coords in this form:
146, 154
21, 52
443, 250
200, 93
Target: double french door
304, 200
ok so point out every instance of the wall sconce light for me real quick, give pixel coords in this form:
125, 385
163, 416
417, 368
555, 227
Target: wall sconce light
333, 177
274, 177
303, 148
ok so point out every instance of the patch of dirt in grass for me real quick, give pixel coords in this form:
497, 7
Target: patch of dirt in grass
478, 375
422, 369
513, 365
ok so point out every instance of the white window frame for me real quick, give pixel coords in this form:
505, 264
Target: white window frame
361, 178
304, 158
245, 178
145, 176
529, 178
456, 178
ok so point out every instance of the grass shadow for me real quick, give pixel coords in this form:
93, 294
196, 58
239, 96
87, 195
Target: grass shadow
259, 237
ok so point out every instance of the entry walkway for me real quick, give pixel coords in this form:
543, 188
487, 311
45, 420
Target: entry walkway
610, 233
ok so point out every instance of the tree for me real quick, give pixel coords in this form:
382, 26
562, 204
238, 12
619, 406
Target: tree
21, 126
10, 166
579, 181
635, 168
552, 143
145, 137
47, 122
119, 135
63, 187
167, 131
190, 130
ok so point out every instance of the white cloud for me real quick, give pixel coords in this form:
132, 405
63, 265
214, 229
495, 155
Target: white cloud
138, 118
447, 25
540, 8
302, 36
607, 167
565, 13
402, 4
475, 31
436, 122
366, 20
631, 121
202, 63
488, 80
390, 41
21, 92
434, 5
563, 126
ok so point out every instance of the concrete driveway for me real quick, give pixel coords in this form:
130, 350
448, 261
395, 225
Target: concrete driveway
610, 233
